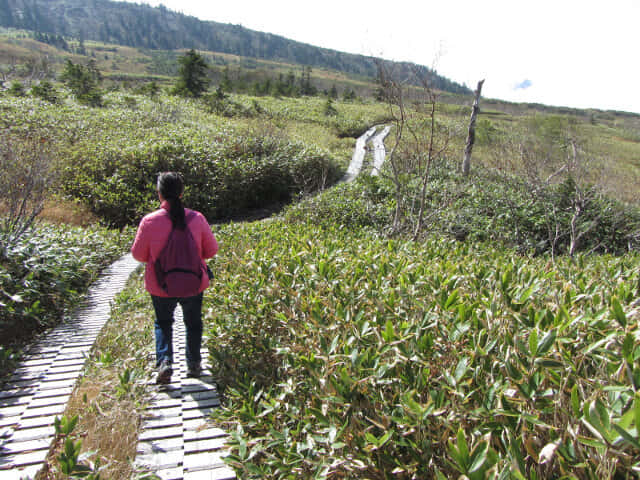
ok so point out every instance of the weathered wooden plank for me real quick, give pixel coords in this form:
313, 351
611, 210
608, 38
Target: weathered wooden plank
162, 422
160, 433
22, 384
25, 459
197, 396
195, 424
54, 392
196, 413
46, 401
30, 371
209, 444
200, 461
165, 394
169, 473
12, 410
68, 362
56, 377
60, 369
44, 411
35, 422
199, 387
21, 473
9, 421
24, 434
162, 460
35, 362
219, 473
207, 402
162, 412
10, 396
205, 434
163, 445
28, 446
165, 403
45, 385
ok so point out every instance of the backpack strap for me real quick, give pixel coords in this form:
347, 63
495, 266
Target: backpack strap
189, 216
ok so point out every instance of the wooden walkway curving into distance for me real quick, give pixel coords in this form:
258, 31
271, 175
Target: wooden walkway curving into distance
175, 441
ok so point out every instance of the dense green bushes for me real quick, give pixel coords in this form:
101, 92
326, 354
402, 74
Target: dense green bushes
111, 156
489, 206
48, 272
346, 355
226, 176
365, 202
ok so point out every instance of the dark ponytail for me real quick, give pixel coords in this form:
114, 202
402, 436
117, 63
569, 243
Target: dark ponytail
171, 186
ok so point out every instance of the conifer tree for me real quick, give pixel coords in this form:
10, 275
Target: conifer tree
83, 81
193, 80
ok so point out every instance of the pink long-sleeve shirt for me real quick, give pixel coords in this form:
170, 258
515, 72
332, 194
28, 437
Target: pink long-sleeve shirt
152, 235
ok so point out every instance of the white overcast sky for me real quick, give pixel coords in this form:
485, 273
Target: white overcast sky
583, 54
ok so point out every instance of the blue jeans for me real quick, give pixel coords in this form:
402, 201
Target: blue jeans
192, 314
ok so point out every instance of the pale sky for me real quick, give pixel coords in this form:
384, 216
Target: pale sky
583, 54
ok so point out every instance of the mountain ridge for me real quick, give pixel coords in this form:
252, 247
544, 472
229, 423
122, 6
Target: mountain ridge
158, 28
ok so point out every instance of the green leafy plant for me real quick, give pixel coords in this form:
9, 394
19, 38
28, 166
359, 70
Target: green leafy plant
344, 354
71, 462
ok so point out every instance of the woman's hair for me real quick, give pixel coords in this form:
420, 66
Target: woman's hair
171, 186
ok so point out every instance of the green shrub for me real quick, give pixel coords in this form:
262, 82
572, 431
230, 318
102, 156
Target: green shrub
224, 177
364, 203
47, 272
347, 355
487, 207
16, 89
46, 91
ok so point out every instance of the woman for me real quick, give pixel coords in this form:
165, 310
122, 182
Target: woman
151, 237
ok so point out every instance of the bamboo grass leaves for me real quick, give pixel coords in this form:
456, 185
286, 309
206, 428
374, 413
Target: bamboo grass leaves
348, 355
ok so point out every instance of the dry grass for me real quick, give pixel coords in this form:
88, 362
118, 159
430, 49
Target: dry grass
66, 212
109, 411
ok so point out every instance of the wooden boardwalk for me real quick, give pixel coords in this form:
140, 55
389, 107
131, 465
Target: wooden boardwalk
176, 441
41, 386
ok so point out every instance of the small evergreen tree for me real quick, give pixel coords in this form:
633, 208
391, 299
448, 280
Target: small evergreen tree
225, 84
46, 91
83, 81
306, 88
16, 89
349, 95
329, 109
193, 80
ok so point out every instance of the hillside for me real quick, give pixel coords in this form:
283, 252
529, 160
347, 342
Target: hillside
158, 28
501, 343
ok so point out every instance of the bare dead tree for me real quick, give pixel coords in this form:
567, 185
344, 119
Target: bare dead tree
37, 69
419, 141
392, 93
554, 168
26, 162
471, 136
8, 70
437, 143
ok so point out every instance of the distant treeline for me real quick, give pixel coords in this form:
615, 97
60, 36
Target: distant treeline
158, 28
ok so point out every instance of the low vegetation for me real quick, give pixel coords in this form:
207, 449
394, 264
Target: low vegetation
112, 156
45, 275
347, 355
494, 334
489, 207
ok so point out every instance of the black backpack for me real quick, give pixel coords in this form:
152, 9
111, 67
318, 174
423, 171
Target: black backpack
179, 268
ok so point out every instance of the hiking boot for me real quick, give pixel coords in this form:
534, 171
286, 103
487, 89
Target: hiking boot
164, 372
194, 371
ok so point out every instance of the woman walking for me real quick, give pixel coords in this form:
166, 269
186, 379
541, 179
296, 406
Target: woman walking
172, 227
